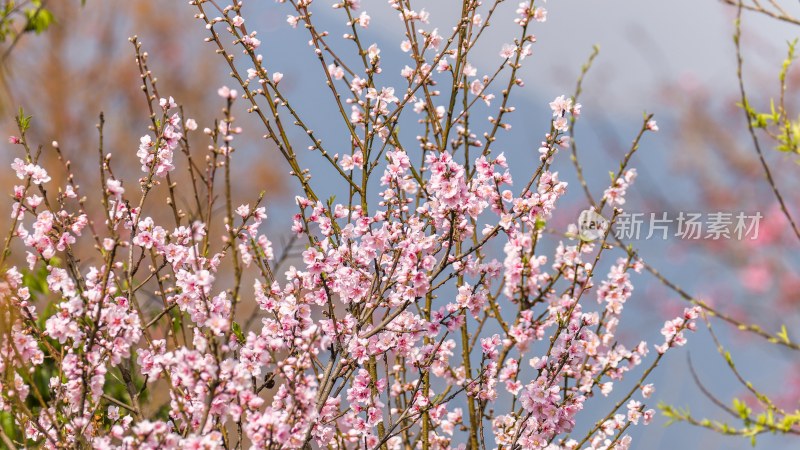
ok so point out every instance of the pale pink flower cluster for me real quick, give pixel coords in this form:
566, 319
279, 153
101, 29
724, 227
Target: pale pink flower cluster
673, 329
562, 106
615, 194
526, 11
36, 173
158, 154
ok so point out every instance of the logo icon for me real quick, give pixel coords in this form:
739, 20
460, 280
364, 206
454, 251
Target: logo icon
591, 225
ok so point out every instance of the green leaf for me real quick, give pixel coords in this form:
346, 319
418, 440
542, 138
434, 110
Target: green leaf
784, 334
741, 408
23, 120
237, 330
39, 20
177, 323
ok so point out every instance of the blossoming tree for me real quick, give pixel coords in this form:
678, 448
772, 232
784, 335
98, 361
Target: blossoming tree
423, 313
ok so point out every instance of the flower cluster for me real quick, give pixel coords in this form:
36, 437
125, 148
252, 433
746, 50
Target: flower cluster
158, 154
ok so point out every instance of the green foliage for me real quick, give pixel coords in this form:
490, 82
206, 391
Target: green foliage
37, 281
9, 428
18, 17
787, 134
23, 121
38, 20
784, 334
6, 20
742, 409
771, 420
237, 331
777, 123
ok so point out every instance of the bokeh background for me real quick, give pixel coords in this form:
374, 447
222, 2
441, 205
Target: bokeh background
674, 59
